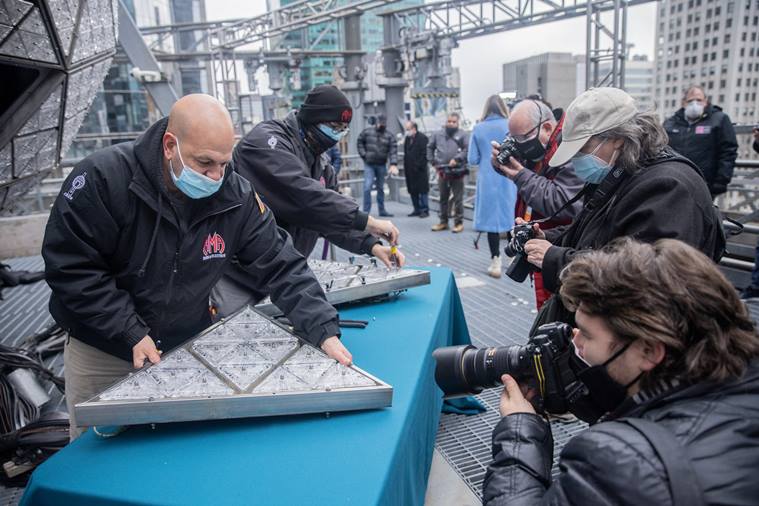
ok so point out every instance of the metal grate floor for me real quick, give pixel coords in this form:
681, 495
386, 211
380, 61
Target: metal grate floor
499, 312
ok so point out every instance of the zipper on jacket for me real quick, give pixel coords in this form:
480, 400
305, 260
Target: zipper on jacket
170, 292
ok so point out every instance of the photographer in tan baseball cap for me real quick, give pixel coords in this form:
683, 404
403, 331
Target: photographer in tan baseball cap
637, 186
593, 113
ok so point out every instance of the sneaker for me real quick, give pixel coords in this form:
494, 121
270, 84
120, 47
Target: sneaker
385, 214
458, 227
495, 267
439, 227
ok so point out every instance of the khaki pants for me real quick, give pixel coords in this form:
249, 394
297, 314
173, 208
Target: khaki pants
88, 371
448, 187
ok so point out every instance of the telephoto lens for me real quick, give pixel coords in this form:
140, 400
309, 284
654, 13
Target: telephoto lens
466, 370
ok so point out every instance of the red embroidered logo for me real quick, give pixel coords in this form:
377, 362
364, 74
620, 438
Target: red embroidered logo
213, 247
346, 116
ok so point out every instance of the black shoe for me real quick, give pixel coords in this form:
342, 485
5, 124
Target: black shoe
424, 215
385, 214
415, 213
750, 293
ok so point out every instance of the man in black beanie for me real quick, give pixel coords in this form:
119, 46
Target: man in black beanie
284, 161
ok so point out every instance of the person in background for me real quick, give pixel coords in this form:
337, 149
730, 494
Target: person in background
704, 134
285, 161
335, 158
541, 189
416, 170
752, 290
447, 152
377, 146
496, 195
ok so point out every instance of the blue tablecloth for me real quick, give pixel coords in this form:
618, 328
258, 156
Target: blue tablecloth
363, 457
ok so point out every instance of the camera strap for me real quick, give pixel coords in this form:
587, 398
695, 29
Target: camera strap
566, 205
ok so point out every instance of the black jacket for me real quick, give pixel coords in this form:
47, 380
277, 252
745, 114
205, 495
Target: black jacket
415, 165
667, 198
710, 143
377, 148
124, 261
613, 464
300, 188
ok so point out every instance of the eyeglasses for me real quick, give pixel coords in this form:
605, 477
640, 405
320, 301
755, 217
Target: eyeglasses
338, 126
529, 135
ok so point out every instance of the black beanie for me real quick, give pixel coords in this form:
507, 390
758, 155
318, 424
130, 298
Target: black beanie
325, 103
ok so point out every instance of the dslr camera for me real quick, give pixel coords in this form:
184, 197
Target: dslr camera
506, 150
519, 267
545, 363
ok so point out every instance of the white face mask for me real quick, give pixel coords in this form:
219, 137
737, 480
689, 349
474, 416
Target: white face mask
694, 110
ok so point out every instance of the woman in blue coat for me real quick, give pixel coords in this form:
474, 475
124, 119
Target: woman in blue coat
496, 195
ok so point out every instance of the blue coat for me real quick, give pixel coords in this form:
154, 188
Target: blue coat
496, 195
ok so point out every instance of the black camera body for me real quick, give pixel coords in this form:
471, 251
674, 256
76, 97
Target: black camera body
506, 150
519, 267
544, 363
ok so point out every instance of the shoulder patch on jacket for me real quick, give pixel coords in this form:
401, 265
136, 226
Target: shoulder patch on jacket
261, 206
272, 142
76, 184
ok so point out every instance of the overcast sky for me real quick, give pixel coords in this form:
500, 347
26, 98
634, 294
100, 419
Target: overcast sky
480, 59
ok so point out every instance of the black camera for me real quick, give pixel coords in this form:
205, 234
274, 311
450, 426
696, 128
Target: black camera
519, 267
545, 363
506, 150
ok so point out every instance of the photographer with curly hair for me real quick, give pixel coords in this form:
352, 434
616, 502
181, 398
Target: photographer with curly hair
675, 357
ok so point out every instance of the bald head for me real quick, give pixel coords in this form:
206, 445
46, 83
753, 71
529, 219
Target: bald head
200, 132
525, 118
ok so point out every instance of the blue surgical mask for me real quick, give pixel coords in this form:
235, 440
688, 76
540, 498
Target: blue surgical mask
591, 168
194, 184
332, 133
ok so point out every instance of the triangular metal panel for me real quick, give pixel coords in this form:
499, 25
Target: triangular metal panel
64, 16
12, 11
244, 366
30, 41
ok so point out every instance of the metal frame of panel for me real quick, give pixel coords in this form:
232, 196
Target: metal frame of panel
356, 282
195, 360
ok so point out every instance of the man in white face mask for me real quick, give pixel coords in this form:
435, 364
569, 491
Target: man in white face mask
703, 133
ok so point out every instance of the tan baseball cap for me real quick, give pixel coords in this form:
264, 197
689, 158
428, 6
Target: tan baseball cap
592, 112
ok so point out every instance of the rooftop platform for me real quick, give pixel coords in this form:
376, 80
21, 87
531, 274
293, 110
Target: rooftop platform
498, 311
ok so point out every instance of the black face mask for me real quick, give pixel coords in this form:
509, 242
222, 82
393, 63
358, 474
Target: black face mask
597, 393
533, 149
318, 141
451, 130
381, 128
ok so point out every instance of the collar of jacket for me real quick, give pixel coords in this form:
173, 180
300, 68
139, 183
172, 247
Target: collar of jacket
147, 183
297, 134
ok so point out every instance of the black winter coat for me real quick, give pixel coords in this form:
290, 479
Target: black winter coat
613, 464
415, 164
665, 199
710, 143
300, 188
122, 262
377, 148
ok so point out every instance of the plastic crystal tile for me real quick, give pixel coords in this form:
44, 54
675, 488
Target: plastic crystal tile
46, 116
95, 33
6, 163
245, 355
31, 41
64, 16
11, 11
34, 152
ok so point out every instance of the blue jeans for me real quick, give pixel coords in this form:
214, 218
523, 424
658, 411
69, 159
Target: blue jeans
420, 202
374, 174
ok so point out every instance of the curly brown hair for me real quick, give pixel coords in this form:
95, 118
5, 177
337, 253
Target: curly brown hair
671, 293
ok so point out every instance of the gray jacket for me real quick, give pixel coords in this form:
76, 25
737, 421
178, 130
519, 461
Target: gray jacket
377, 148
443, 148
548, 191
